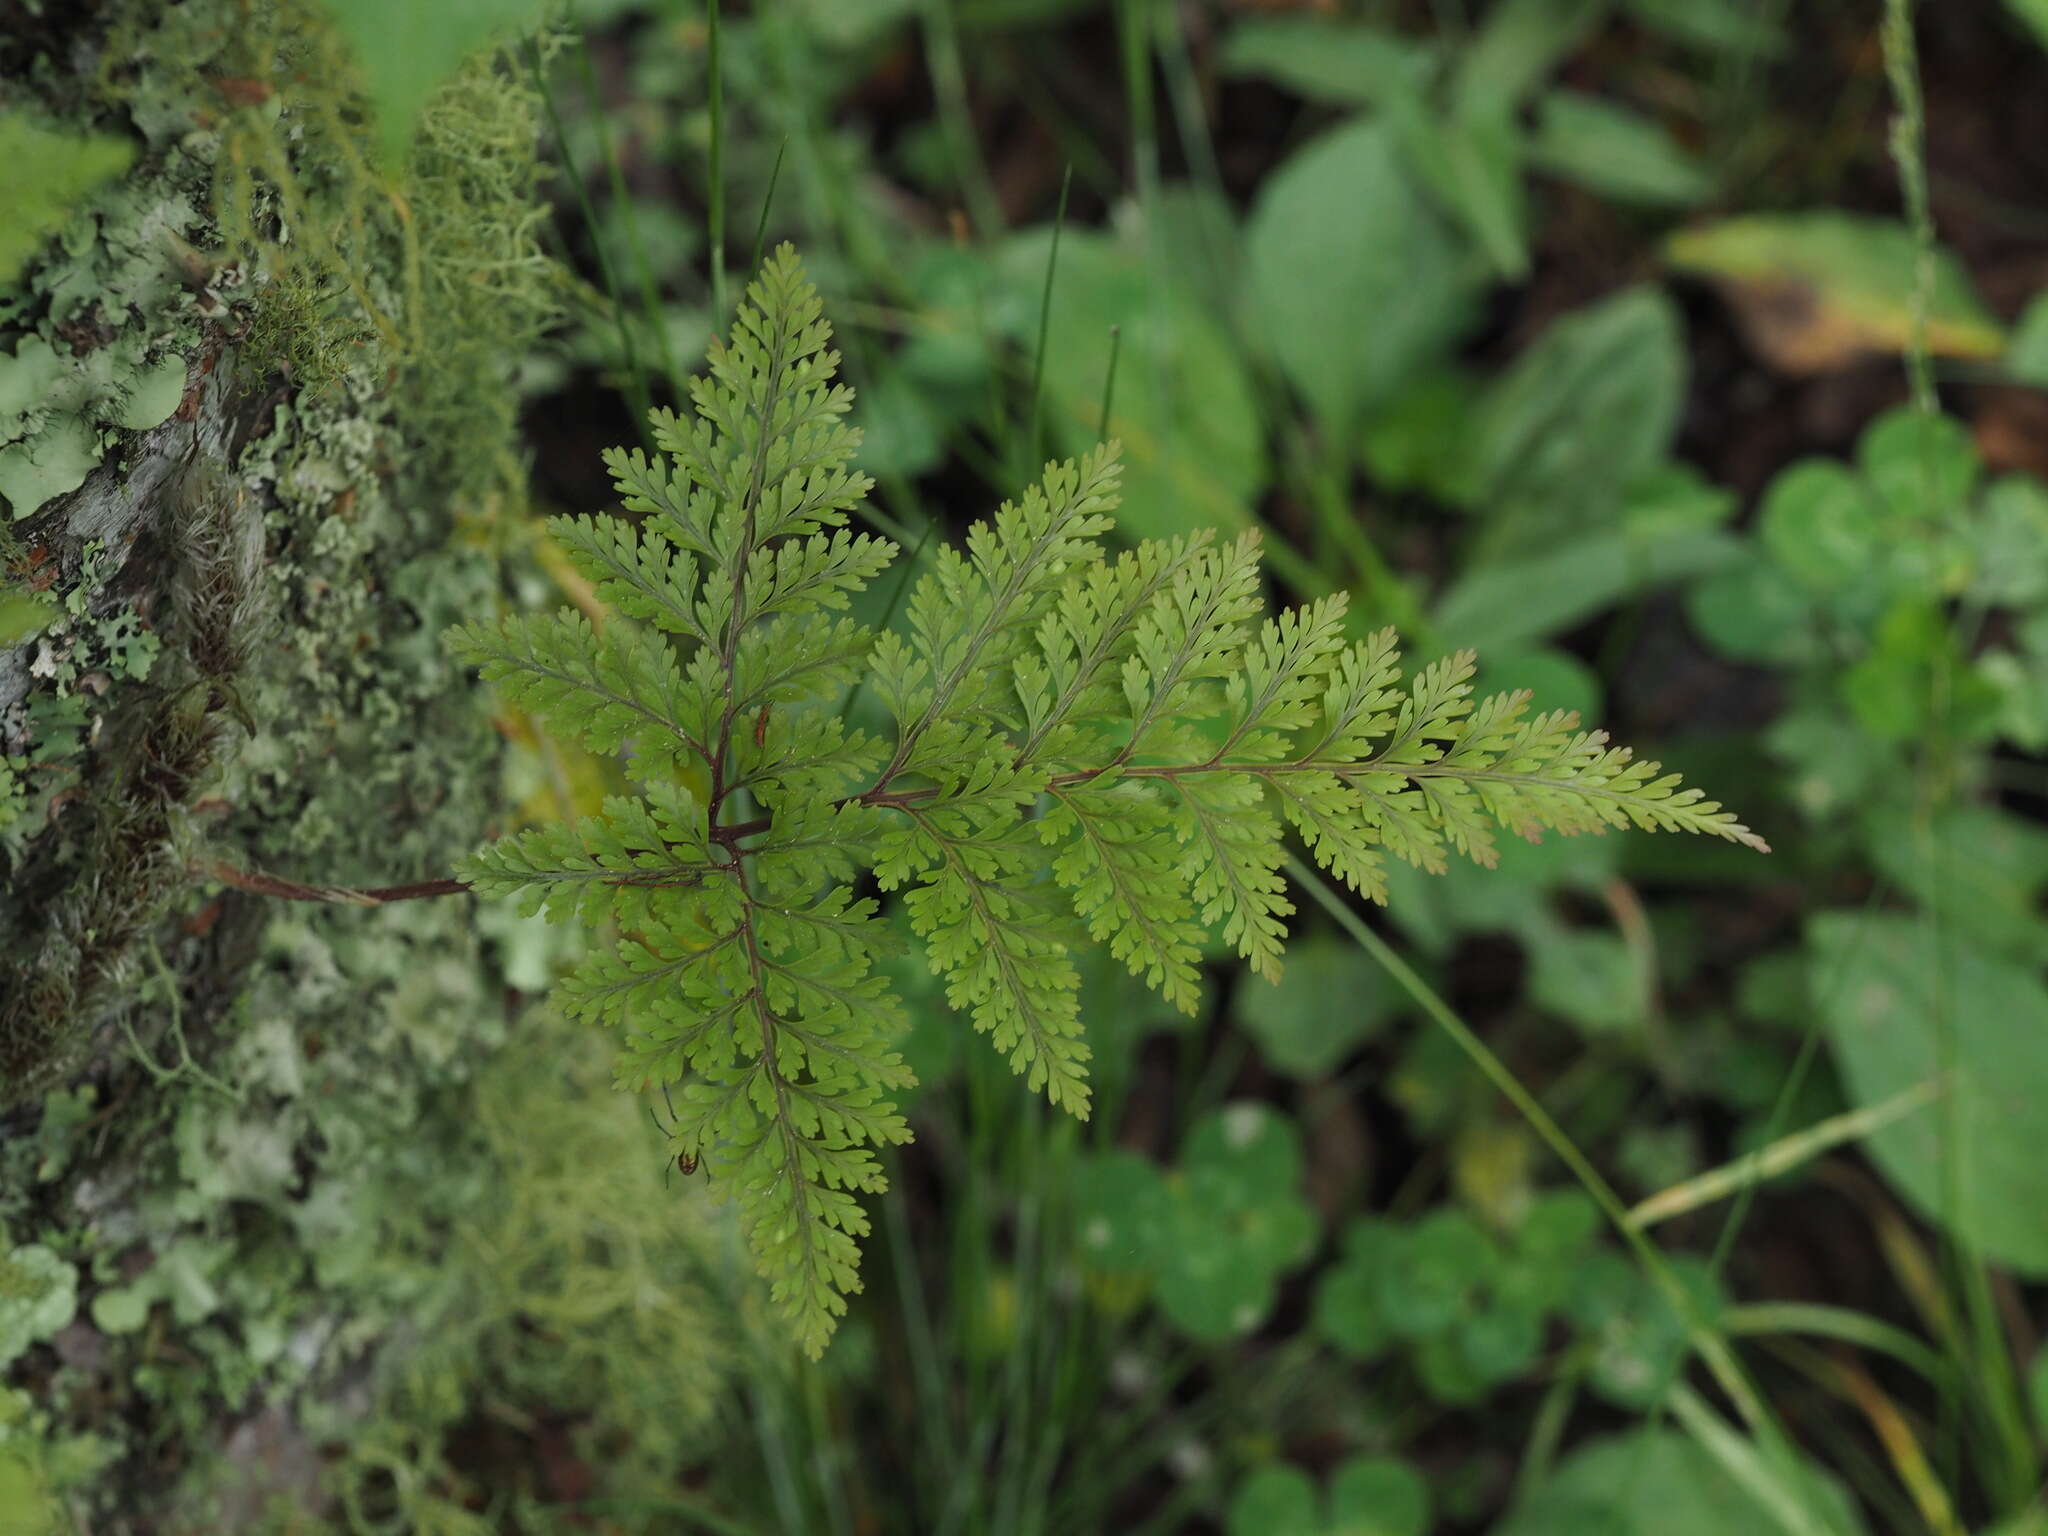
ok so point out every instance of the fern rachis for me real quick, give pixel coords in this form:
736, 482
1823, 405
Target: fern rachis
1084, 748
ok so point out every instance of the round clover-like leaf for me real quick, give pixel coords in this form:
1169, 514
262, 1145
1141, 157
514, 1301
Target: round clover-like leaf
1559, 1226
1436, 1274
1236, 1221
1328, 1001
1213, 1294
2008, 543
1638, 1345
1754, 610
1247, 1151
1368, 1496
1823, 527
1606, 1283
1920, 465
1275, 1501
1121, 1213
1378, 1496
38, 1296
1347, 1307
1446, 1372
1501, 1341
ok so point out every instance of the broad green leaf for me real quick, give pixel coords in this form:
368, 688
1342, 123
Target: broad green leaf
1558, 1227
1328, 1001
2026, 355
1521, 42
1638, 1339
1511, 602
1353, 280
1613, 150
1470, 163
847, 24
1815, 291
1215, 1235
1589, 978
1830, 762
1417, 442
1732, 27
1193, 449
1656, 1483
2033, 15
1498, 1344
155, 395
1898, 1004
1668, 531
407, 49
122, 1308
1580, 418
28, 1508
1367, 1496
49, 174
1894, 690
1980, 869
1341, 62
1246, 1153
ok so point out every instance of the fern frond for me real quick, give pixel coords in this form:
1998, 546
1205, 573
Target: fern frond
608, 688
601, 866
1084, 750
642, 575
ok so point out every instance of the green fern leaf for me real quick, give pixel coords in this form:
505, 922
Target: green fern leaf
1084, 750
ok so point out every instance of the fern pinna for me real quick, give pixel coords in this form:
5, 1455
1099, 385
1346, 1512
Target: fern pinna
1085, 746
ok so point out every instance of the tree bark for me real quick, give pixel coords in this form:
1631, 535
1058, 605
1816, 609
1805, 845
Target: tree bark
237, 659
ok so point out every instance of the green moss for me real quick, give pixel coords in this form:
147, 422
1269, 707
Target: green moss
574, 1290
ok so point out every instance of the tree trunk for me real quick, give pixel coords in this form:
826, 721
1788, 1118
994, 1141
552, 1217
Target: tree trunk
213, 1106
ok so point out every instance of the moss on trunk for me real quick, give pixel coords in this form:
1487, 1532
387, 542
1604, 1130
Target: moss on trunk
291, 379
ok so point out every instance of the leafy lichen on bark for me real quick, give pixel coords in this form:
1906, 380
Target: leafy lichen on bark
208, 1107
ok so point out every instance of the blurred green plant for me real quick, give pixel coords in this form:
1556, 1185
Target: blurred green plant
1367, 1496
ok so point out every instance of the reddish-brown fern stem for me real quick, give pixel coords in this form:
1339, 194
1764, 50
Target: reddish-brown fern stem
260, 884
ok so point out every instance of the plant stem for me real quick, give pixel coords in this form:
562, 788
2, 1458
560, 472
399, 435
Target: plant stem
1788, 1152
259, 884
714, 69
